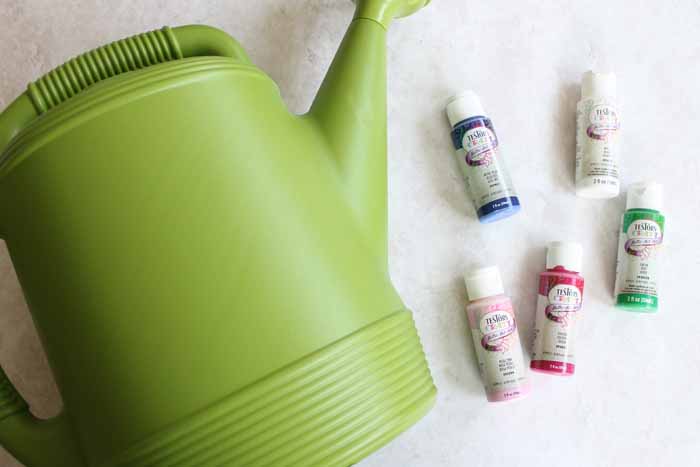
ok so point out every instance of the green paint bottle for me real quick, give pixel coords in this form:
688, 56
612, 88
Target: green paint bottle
641, 238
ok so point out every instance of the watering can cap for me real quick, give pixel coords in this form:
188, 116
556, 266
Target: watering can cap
483, 282
565, 254
595, 85
463, 106
645, 195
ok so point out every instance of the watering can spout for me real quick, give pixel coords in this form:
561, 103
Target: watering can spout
350, 109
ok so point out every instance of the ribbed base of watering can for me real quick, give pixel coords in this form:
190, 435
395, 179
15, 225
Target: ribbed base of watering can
332, 408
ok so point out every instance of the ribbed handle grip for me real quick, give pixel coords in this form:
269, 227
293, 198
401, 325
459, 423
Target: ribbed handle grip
133, 53
124, 55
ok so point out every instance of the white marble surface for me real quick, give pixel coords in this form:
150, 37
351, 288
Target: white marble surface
633, 401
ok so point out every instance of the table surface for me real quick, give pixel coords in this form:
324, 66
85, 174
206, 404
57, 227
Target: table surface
631, 402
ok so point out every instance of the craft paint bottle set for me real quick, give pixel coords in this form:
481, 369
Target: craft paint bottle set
480, 160
560, 289
559, 300
495, 334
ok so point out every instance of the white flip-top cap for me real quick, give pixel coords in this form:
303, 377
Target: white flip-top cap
645, 195
565, 254
463, 106
597, 85
483, 282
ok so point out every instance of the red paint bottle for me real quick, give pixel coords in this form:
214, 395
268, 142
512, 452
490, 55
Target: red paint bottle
558, 308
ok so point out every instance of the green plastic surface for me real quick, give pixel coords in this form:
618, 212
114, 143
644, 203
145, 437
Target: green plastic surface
207, 271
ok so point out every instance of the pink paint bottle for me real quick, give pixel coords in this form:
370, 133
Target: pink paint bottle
495, 334
558, 308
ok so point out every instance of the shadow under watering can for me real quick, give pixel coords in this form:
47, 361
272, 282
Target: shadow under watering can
207, 271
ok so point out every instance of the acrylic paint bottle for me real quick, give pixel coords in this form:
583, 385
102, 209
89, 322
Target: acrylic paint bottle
597, 137
641, 238
480, 160
559, 300
495, 335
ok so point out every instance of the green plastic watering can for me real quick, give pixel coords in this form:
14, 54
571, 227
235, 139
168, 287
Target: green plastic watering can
207, 271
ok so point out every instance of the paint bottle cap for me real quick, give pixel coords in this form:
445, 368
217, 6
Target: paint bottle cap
568, 255
645, 195
598, 85
483, 282
463, 106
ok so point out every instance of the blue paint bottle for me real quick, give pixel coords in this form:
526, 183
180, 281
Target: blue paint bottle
480, 159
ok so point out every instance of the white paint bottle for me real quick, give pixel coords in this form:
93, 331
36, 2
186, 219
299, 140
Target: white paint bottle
597, 137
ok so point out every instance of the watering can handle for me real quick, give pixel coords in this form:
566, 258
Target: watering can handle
125, 55
50, 443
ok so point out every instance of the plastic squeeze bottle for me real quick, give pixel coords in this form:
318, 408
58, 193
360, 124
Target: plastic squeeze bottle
558, 309
479, 157
495, 335
641, 238
597, 137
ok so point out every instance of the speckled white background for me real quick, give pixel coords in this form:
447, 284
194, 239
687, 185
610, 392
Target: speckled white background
634, 399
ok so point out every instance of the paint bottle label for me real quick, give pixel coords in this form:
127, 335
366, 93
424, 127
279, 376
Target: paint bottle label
597, 140
498, 351
641, 238
479, 159
558, 307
